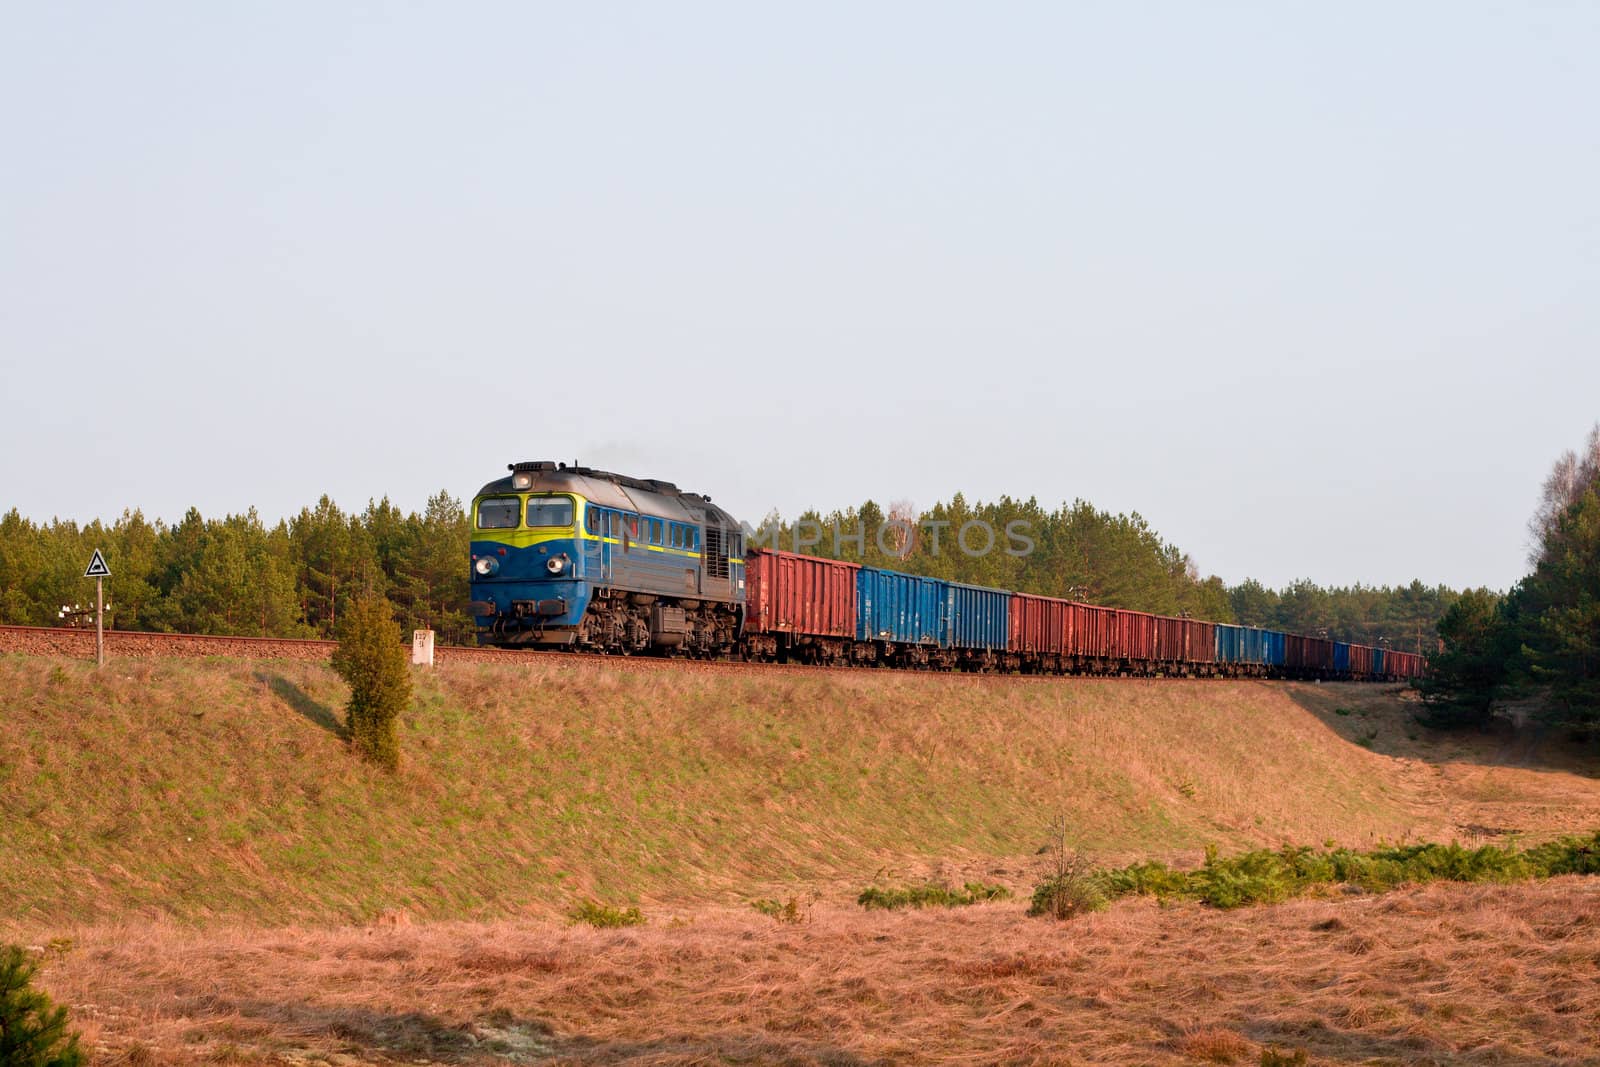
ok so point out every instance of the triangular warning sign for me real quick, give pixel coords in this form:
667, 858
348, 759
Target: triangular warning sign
97, 566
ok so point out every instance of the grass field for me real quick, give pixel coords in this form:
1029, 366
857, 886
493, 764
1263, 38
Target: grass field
213, 879
1441, 975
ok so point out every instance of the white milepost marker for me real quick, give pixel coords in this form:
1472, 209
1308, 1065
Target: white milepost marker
422, 648
98, 570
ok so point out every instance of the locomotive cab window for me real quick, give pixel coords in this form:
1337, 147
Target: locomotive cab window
550, 511
591, 521
499, 513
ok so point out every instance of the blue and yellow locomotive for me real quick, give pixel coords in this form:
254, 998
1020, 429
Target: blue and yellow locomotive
586, 558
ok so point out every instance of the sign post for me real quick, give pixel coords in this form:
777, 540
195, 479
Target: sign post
98, 570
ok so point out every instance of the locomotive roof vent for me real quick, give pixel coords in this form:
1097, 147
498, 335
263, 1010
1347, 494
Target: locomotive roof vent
532, 465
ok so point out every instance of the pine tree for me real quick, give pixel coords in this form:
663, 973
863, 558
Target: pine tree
372, 660
33, 1031
1562, 596
1465, 679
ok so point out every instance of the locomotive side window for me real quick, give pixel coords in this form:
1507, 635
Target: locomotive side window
691, 538
677, 536
499, 513
550, 511
655, 531
591, 521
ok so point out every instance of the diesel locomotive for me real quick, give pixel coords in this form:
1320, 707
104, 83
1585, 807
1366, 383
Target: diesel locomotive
566, 556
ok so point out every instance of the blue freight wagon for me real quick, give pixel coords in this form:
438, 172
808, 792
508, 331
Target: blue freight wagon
1341, 658
1241, 644
1250, 645
1277, 644
901, 608
976, 618
1378, 657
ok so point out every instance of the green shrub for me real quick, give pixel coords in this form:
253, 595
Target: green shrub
1144, 879
605, 916
33, 1031
1253, 878
789, 911
1570, 855
930, 895
1068, 896
1265, 876
372, 660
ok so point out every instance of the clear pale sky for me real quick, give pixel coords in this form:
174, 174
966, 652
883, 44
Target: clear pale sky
1312, 287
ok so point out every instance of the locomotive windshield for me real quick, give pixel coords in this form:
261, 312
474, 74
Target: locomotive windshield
499, 513
550, 511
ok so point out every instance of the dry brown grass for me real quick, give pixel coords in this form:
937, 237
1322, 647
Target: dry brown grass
1504, 782
1215, 1045
1444, 974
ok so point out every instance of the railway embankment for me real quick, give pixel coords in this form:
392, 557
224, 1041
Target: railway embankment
221, 789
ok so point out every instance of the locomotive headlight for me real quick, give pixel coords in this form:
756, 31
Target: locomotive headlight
522, 480
556, 565
486, 565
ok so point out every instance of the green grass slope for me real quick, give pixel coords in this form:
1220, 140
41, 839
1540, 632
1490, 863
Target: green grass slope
221, 790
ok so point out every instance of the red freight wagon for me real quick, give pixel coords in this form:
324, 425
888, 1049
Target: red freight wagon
1199, 641
1094, 632
1360, 661
1169, 638
1185, 640
1403, 664
803, 595
1180, 640
1307, 653
1040, 625
1136, 636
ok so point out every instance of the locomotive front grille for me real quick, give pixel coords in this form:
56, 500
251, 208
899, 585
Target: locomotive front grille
526, 608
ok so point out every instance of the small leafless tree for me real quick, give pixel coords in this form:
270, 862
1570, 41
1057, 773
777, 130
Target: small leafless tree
904, 536
1072, 883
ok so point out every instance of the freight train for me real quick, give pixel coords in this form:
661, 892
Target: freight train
572, 557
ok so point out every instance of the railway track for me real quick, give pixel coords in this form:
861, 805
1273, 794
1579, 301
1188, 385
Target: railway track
133, 644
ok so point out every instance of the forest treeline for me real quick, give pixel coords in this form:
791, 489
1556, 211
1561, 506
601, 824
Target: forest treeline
239, 575
236, 575
1539, 644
